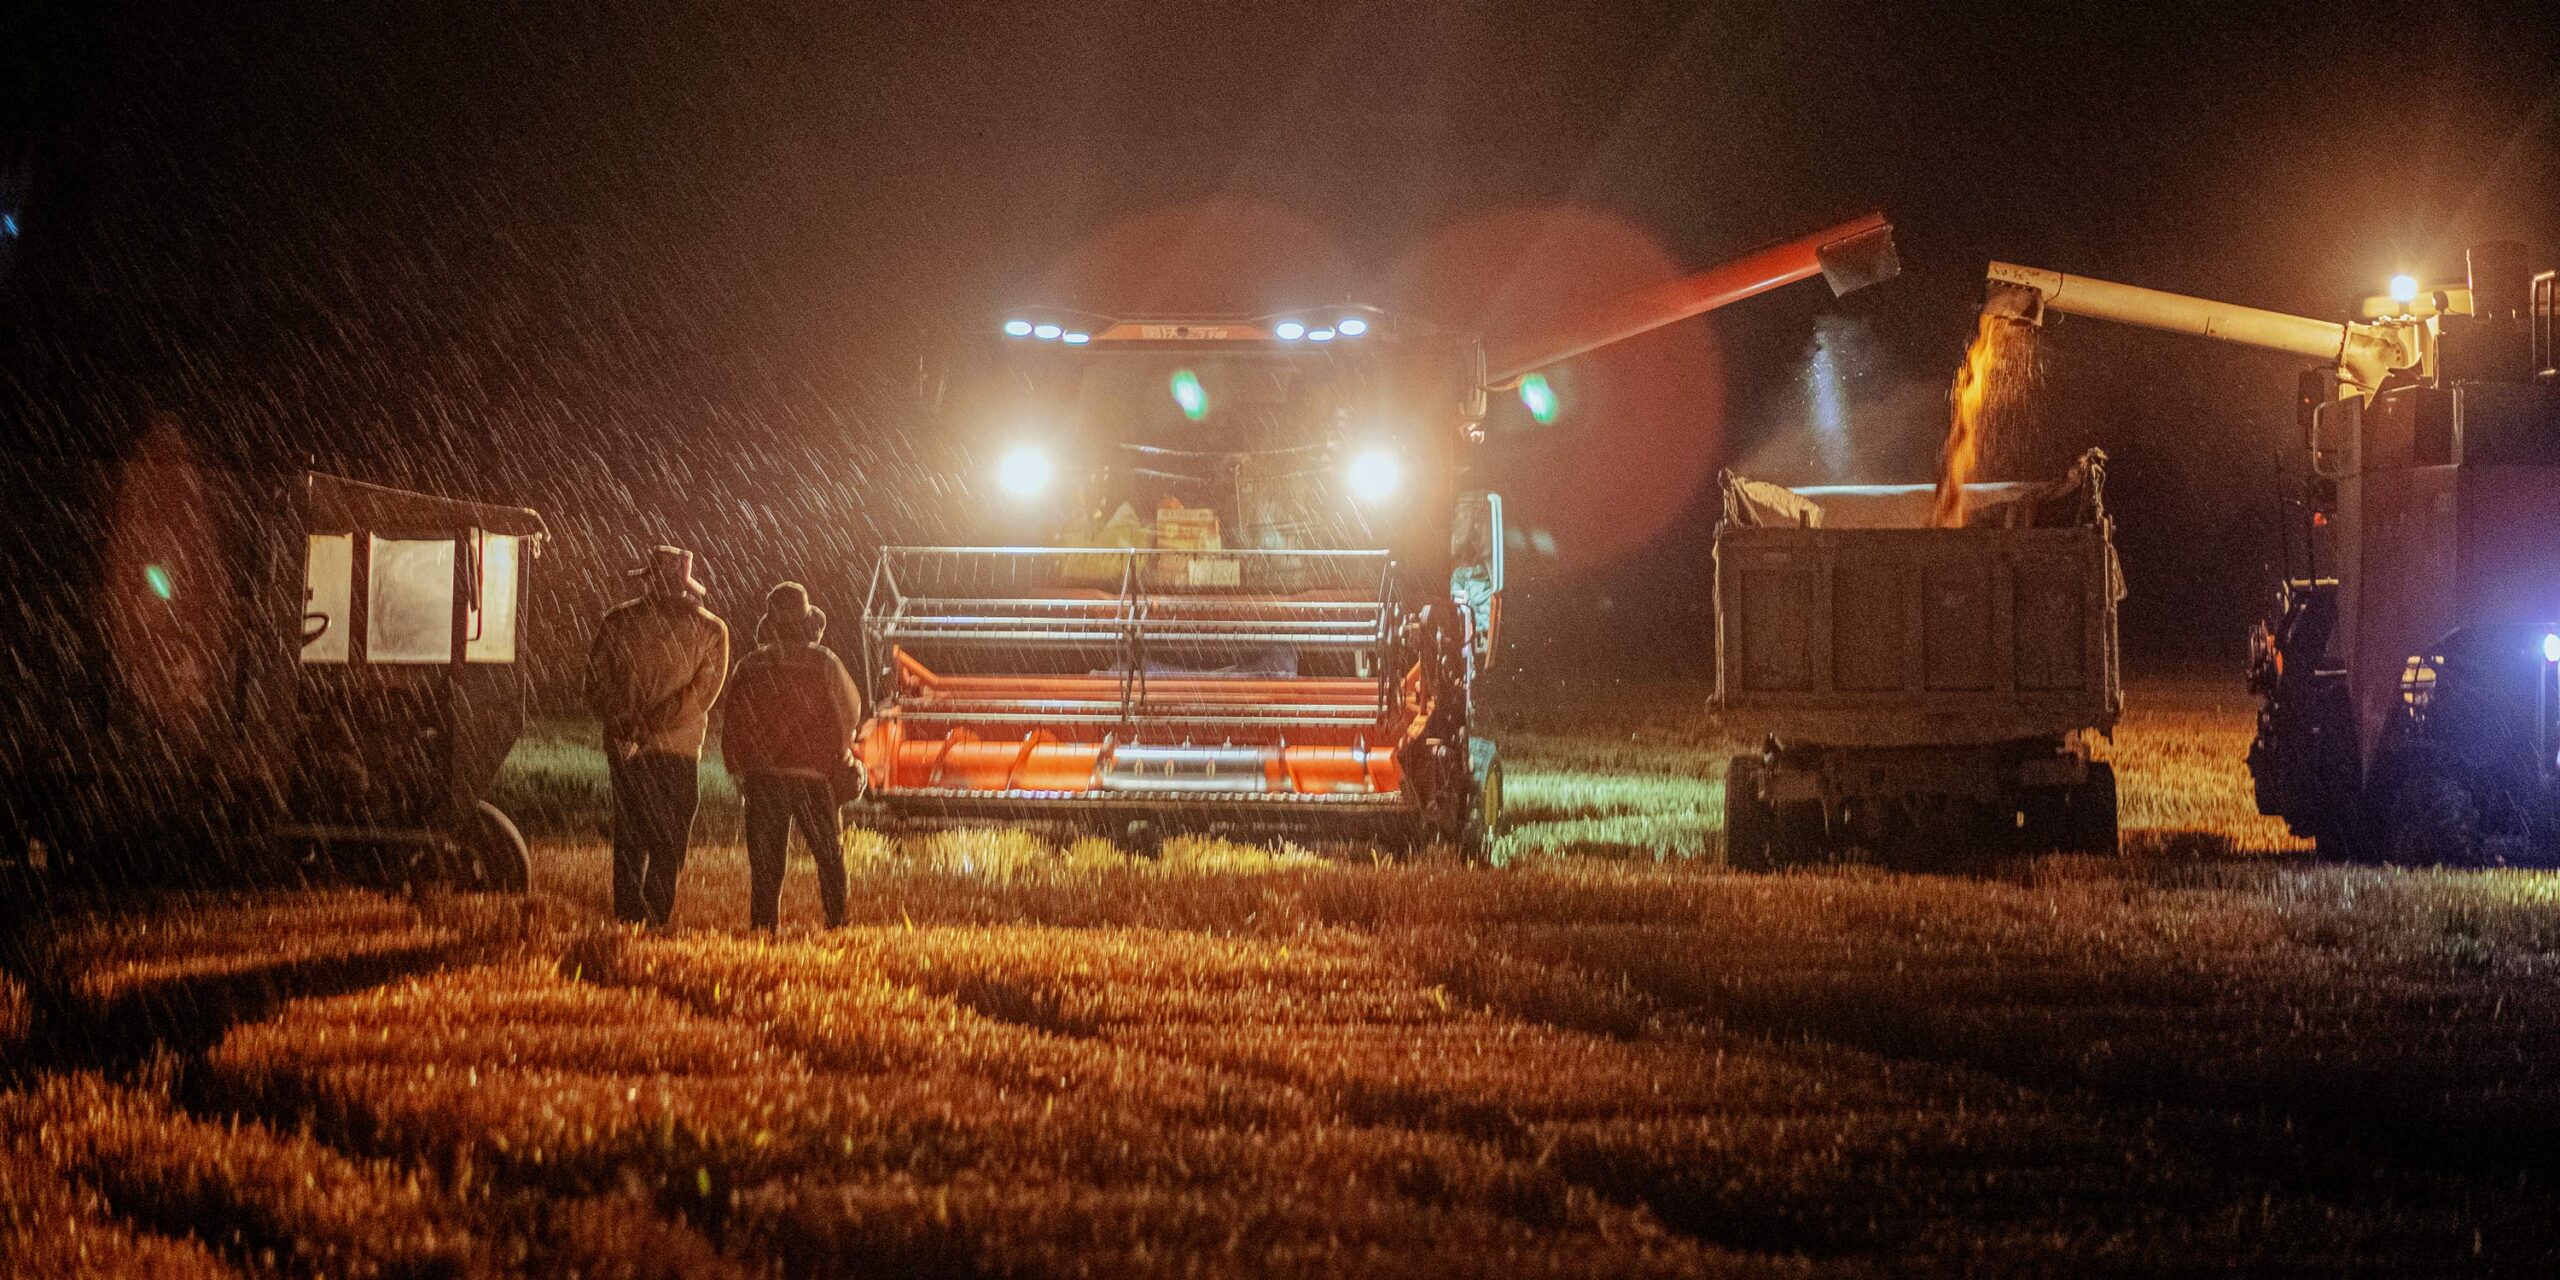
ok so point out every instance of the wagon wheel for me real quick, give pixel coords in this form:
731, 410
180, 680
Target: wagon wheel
1798, 833
1749, 827
488, 854
2092, 813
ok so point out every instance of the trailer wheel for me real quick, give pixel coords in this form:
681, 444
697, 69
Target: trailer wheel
1798, 833
2093, 812
1749, 827
2043, 820
489, 854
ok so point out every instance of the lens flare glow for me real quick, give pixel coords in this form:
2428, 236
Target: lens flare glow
1289, 330
1540, 398
2404, 289
1352, 327
1190, 395
1017, 328
1374, 474
1024, 471
157, 578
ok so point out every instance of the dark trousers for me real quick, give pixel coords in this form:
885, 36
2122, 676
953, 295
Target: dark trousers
775, 803
654, 796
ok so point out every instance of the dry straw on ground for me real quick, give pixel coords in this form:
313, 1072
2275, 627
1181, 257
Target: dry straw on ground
1034, 1058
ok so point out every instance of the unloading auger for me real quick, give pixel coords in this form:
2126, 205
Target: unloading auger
2410, 676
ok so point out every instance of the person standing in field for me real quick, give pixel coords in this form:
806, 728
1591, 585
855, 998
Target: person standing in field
786, 731
652, 675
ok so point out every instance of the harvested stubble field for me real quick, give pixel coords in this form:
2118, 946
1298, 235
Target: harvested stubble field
1611, 1058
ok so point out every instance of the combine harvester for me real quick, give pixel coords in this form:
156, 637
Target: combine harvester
1275, 592
2410, 678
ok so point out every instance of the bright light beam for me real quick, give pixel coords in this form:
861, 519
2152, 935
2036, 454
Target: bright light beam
1374, 474
1024, 471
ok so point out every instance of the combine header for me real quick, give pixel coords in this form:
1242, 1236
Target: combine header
1247, 586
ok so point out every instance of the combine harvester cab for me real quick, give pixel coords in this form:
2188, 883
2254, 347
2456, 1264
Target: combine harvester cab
1918, 690
1239, 579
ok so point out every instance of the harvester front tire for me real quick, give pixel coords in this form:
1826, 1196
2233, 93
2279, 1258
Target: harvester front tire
2093, 812
1750, 828
1480, 828
1144, 840
2433, 820
489, 853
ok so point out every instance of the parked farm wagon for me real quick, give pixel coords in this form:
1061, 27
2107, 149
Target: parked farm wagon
242, 668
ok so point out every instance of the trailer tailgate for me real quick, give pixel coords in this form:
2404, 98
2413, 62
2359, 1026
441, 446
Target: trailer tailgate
1885, 637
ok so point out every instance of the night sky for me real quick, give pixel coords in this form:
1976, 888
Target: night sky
664, 270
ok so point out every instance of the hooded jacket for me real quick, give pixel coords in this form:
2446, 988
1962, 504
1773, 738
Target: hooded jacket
653, 673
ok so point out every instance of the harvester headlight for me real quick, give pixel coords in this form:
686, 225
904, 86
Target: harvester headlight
1074, 339
2551, 646
1023, 471
1017, 328
2404, 289
1374, 475
1352, 327
1319, 335
1046, 332
1288, 331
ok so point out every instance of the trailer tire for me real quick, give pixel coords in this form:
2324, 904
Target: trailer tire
1749, 826
489, 853
1798, 833
2093, 812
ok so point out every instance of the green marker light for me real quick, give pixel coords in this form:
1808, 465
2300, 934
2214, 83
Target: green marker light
1188, 393
158, 580
1541, 398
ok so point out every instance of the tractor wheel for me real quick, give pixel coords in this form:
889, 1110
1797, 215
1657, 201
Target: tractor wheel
1798, 834
489, 854
2433, 820
1480, 827
2346, 838
2092, 812
1749, 827
2040, 819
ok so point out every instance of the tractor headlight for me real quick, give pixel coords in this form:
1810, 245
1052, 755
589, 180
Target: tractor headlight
1374, 474
2551, 646
1024, 471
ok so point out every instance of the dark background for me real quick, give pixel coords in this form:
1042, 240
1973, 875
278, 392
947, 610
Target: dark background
664, 270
